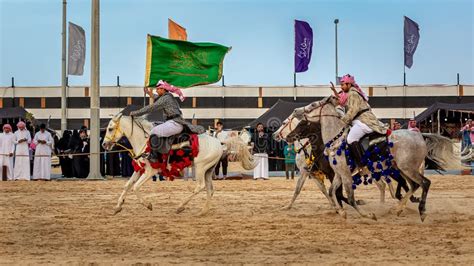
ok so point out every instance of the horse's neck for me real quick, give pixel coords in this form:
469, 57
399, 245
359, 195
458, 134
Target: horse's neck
330, 126
138, 138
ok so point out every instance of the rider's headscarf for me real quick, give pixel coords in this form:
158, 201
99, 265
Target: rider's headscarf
343, 96
165, 85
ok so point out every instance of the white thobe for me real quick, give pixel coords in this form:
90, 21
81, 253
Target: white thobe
261, 170
22, 155
42, 162
7, 146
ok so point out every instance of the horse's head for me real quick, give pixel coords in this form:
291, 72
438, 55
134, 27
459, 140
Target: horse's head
113, 133
286, 128
314, 111
305, 129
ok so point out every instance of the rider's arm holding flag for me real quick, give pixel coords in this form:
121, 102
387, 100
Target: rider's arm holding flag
157, 105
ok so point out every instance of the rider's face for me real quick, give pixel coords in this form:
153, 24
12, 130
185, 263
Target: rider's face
160, 91
345, 86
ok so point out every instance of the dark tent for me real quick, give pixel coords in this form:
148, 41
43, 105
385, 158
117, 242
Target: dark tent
12, 112
153, 117
274, 116
433, 109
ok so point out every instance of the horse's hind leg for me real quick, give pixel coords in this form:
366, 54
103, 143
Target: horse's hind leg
299, 185
425, 186
200, 186
209, 190
126, 188
410, 177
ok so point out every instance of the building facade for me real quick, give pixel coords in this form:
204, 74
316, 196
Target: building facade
236, 106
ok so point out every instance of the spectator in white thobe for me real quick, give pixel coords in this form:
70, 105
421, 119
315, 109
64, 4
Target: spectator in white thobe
42, 162
261, 146
7, 148
22, 154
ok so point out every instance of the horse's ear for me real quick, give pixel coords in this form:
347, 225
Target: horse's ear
117, 116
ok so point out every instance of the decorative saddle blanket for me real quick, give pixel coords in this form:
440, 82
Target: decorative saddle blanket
172, 162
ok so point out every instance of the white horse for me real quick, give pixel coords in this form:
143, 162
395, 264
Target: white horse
210, 151
409, 152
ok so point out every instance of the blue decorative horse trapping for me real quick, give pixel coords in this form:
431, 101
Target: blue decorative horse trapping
377, 154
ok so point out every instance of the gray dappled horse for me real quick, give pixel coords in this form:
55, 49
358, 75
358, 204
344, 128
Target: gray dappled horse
409, 152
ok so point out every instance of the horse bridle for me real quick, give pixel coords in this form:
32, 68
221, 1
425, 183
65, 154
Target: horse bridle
306, 117
118, 130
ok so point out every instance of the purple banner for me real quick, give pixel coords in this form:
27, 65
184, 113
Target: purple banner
411, 38
303, 45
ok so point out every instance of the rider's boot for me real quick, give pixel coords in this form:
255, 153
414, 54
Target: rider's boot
357, 154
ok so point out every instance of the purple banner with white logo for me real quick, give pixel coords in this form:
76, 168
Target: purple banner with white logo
411, 38
303, 45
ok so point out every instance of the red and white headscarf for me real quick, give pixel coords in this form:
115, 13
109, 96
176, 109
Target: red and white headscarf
165, 85
21, 125
7, 126
343, 96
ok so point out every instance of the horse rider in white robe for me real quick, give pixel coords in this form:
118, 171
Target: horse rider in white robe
358, 114
7, 148
42, 163
22, 154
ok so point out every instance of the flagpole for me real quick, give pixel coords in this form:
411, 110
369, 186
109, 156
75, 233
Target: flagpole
94, 172
336, 21
63, 73
404, 73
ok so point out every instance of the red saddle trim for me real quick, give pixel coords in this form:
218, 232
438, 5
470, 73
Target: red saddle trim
174, 168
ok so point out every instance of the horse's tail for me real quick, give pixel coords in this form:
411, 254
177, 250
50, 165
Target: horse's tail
236, 146
441, 152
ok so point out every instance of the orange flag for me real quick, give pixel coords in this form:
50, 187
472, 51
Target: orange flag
176, 32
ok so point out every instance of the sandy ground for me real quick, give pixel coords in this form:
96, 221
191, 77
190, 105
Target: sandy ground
63, 222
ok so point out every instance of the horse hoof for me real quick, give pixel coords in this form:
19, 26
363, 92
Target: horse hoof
117, 210
360, 202
423, 217
180, 209
343, 214
202, 213
399, 212
285, 208
149, 206
414, 199
373, 217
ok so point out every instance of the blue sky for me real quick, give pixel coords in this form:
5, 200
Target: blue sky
260, 32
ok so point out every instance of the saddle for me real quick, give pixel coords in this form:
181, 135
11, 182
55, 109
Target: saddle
166, 145
163, 145
371, 139
373, 147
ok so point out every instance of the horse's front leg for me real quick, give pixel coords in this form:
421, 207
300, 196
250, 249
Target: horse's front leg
299, 185
347, 182
320, 183
381, 185
126, 188
336, 183
149, 172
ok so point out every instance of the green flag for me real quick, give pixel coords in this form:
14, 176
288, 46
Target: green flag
183, 64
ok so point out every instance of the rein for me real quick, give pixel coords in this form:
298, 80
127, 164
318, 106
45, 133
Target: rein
117, 130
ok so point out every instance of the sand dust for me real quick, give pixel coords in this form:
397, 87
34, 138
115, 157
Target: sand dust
62, 222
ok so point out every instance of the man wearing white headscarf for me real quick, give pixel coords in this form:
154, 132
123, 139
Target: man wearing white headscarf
22, 154
7, 147
42, 163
